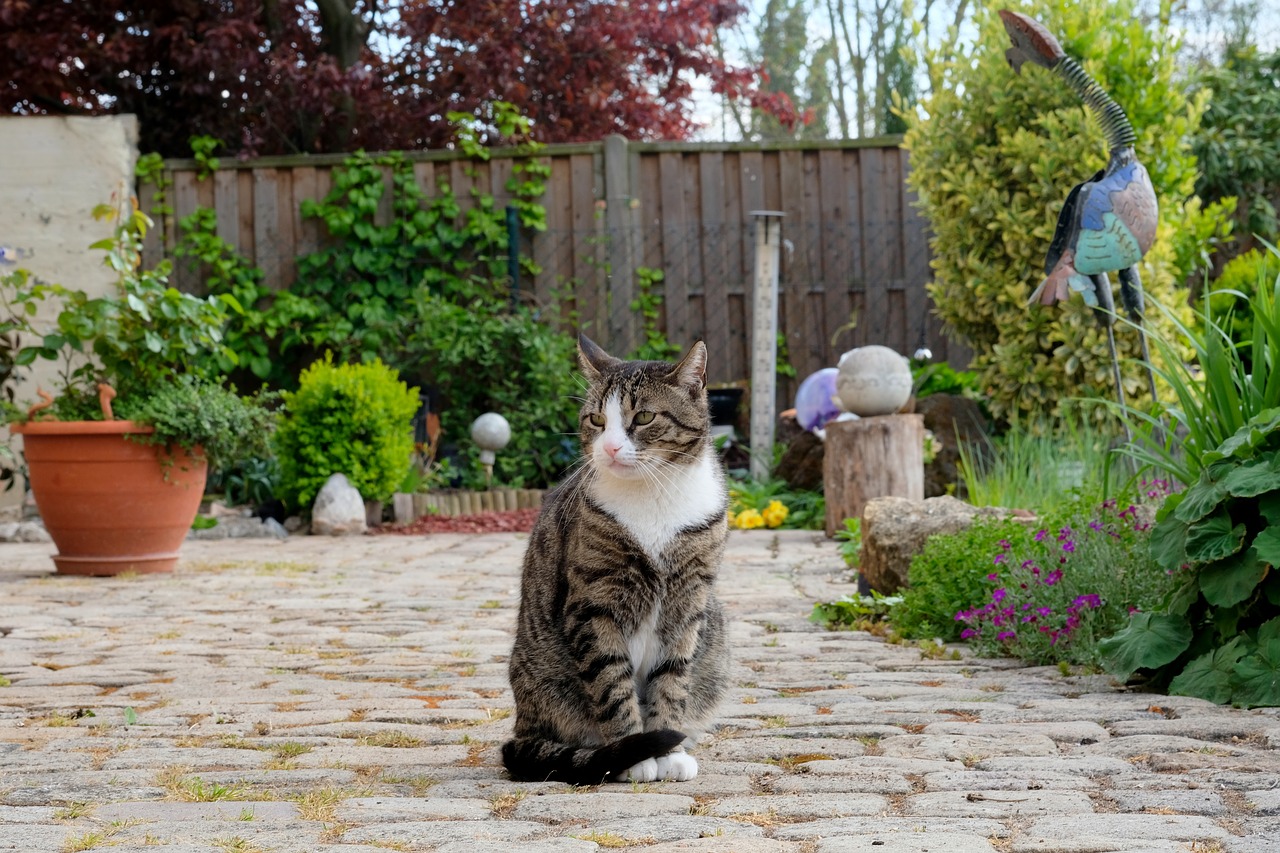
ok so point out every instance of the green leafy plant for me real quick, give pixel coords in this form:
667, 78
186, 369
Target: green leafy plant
850, 540
1216, 635
153, 344
861, 612
352, 419
941, 378
648, 304
249, 481
993, 157
1243, 276
1225, 388
949, 575
487, 356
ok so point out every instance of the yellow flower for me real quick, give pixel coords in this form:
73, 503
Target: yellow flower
749, 519
775, 513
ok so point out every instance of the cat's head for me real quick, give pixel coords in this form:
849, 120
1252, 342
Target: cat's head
639, 416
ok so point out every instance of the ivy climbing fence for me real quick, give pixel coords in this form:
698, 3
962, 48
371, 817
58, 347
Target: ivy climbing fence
635, 228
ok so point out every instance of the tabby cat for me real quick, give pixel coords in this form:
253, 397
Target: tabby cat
620, 649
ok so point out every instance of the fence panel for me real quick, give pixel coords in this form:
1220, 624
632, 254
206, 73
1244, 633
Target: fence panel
855, 260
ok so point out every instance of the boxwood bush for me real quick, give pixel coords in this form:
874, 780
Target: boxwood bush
352, 419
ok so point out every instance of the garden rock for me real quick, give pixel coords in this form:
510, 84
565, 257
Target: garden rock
242, 527
952, 419
895, 529
23, 531
338, 510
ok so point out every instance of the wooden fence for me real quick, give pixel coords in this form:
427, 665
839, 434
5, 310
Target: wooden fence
854, 266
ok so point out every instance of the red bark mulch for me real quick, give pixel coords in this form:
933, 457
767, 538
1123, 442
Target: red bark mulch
515, 521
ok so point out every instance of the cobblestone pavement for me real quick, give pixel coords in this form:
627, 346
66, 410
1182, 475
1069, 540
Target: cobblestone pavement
350, 695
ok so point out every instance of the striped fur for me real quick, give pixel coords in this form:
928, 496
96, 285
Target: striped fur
620, 651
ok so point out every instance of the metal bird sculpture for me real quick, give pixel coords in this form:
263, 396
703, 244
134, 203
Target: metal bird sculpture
1108, 222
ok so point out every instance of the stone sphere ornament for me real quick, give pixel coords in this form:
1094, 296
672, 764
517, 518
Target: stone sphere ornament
873, 380
815, 399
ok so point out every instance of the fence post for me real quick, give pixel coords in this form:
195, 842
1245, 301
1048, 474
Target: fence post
620, 213
764, 339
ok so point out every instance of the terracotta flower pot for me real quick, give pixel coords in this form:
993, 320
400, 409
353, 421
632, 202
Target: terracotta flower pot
111, 505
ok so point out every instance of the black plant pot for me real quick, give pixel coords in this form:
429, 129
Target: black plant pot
724, 404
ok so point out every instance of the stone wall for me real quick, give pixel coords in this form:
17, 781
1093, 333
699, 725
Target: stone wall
54, 170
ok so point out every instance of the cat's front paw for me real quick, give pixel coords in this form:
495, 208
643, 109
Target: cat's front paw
676, 767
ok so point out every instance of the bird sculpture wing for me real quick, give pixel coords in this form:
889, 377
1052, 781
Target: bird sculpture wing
1060, 270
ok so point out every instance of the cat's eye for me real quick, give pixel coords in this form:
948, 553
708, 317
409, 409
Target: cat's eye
643, 418
596, 420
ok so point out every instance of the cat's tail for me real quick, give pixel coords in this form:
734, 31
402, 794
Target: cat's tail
538, 760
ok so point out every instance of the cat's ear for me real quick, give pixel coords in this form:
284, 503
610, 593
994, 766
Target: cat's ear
593, 360
691, 372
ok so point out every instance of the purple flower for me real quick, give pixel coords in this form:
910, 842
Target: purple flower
1044, 611
969, 632
1095, 526
1000, 558
1053, 577
1040, 534
993, 577
1069, 546
1005, 544
1006, 635
1091, 600
1064, 534
999, 595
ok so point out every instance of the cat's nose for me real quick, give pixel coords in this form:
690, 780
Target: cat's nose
612, 449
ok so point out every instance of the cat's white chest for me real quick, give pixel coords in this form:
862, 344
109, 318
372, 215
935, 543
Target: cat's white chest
654, 512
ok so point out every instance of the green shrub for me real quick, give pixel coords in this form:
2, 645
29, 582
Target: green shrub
993, 157
351, 419
949, 575
773, 503
486, 356
1233, 293
1216, 635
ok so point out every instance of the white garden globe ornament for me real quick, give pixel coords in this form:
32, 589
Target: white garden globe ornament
873, 380
490, 432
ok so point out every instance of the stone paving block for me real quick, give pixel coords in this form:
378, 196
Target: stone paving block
378, 756
362, 810
32, 837
1006, 780
1127, 828
800, 806
851, 781
880, 763
553, 845
883, 825
726, 845
438, 832
1060, 732
1264, 802
1134, 745
1201, 801
1094, 845
904, 842
764, 748
998, 804
26, 814
600, 806
672, 828
183, 812
966, 748
1093, 765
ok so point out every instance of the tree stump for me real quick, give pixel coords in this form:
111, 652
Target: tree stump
871, 458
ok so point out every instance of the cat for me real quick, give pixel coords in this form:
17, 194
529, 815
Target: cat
621, 653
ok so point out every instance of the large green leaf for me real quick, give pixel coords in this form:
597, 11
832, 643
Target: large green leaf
1210, 675
1246, 439
1269, 508
1214, 538
1150, 640
1267, 545
1228, 582
1168, 543
1201, 499
1253, 479
1258, 677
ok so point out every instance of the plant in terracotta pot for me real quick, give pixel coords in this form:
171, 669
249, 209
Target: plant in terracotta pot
117, 458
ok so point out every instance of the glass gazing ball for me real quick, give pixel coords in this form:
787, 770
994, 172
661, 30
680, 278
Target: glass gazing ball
873, 380
815, 399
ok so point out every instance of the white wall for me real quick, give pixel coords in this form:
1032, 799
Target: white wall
54, 170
